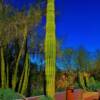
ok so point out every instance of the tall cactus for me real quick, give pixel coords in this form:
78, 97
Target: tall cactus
50, 49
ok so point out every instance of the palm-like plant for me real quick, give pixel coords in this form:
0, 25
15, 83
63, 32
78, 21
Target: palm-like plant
24, 23
50, 49
16, 25
4, 20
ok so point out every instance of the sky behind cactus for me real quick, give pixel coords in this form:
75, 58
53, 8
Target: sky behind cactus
78, 22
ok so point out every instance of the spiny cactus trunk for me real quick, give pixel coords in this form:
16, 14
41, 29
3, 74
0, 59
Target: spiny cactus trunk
3, 76
50, 49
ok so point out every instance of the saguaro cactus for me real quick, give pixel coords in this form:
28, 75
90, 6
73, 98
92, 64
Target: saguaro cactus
50, 49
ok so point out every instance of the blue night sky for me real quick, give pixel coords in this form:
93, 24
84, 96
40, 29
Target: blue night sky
77, 22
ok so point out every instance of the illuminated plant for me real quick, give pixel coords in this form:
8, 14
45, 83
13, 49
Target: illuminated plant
50, 49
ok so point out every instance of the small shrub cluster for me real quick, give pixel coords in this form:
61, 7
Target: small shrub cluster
45, 98
8, 94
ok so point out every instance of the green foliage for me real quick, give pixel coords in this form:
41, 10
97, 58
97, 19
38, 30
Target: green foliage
97, 85
96, 72
92, 84
8, 94
60, 89
96, 68
70, 80
45, 98
36, 92
15, 25
76, 85
82, 59
81, 80
86, 79
88, 83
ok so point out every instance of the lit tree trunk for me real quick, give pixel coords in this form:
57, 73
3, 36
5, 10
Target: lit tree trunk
26, 75
3, 76
50, 49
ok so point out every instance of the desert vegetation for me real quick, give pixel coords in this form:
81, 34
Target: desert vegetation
32, 59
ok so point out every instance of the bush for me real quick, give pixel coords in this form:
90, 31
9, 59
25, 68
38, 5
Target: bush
6, 94
45, 98
92, 84
77, 86
97, 85
60, 89
81, 80
36, 92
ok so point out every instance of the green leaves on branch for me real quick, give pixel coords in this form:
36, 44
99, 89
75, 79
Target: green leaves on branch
8, 94
45, 98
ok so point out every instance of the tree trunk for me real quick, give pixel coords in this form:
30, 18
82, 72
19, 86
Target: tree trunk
14, 77
3, 76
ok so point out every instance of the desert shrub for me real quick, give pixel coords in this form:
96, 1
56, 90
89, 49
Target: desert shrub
6, 94
97, 85
76, 85
82, 81
60, 89
36, 92
92, 84
45, 98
